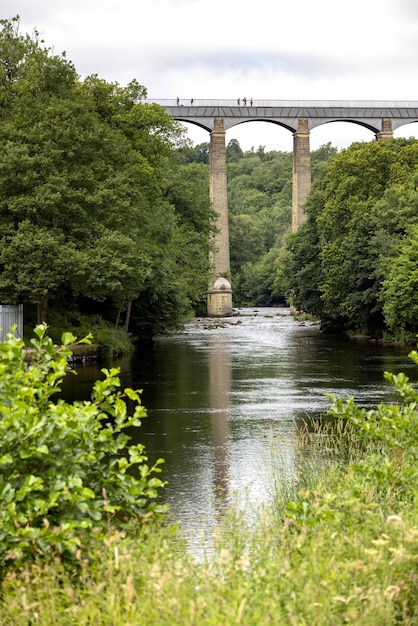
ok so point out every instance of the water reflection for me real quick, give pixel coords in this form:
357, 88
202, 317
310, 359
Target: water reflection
219, 394
223, 399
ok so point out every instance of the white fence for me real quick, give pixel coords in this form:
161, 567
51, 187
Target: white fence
11, 315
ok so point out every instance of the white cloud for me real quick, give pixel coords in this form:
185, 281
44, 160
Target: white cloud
225, 49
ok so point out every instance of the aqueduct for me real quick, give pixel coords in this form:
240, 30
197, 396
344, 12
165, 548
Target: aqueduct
299, 117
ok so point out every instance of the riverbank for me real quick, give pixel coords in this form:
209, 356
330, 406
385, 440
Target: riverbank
219, 390
335, 543
337, 546
81, 353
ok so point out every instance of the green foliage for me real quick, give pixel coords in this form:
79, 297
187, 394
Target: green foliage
93, 200
392, 430
300, 271
260, 207
259, 201
67, 471
400, 286
338, 546
320, 158
362, 213
112, 342
196, 154
35, 262
109, 342
234, 152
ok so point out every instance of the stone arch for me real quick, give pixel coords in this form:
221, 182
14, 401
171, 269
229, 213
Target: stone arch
194, 123
341, 133
263, 132
364, 124
400, 124
264, 120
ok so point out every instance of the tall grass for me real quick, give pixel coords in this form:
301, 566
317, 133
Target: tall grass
337, 545
297, 574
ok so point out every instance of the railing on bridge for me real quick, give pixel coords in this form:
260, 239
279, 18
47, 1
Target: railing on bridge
170, 102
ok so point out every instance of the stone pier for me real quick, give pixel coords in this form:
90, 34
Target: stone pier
386, 132
301, 172
219, 291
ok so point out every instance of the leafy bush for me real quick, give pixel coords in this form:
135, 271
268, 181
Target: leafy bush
392, 430
111, 342
344, 552
67, 471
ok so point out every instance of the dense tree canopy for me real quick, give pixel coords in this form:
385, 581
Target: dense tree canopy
352, 262
260, 207
104, 209
95, 202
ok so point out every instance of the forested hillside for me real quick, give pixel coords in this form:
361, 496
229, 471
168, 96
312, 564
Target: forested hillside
260, 216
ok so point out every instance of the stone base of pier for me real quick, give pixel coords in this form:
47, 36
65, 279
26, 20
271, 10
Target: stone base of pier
220, 299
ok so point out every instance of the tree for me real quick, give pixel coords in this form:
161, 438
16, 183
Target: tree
234, 151
35, 263
67, 471
260, 186
89, 169
56, 185
198, 154
320, 158
400, 287
114, 270
358, 211
178, 286
300, 272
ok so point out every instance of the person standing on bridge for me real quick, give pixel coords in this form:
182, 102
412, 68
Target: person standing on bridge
244, 101
191, 101
178, 100
239, 101
251, 102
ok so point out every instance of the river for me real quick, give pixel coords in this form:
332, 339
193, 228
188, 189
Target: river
222, 393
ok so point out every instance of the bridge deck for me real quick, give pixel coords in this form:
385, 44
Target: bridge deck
287, 113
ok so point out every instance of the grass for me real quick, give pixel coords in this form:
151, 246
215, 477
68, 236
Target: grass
295, 575
334, 548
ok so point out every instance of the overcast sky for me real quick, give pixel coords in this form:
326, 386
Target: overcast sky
225, 49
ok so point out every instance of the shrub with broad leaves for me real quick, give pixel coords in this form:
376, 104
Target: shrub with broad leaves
68, 472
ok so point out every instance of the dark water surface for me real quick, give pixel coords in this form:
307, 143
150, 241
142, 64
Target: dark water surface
220, 392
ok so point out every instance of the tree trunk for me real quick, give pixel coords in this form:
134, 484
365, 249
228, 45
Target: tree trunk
128, 315
42, 309
118, 318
